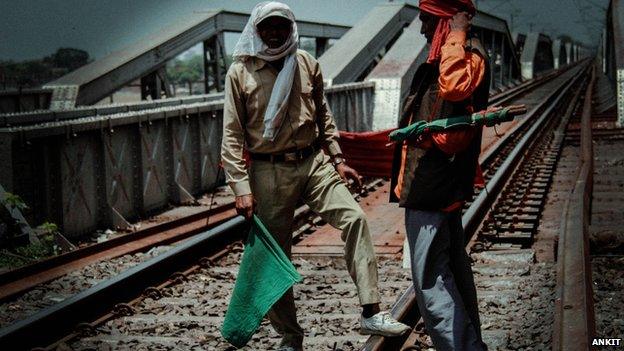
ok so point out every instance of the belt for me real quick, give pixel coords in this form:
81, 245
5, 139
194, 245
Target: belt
287, 156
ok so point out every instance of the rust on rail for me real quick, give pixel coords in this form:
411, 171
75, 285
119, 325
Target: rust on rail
574, 307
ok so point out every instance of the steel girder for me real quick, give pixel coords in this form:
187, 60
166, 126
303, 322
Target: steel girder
99, 79
537, 55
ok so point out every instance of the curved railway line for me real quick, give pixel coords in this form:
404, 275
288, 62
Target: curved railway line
177, 299
22, 279
501, 222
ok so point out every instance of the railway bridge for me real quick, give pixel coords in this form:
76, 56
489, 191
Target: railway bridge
544, 233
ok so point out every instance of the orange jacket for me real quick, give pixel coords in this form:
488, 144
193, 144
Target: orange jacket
461, 72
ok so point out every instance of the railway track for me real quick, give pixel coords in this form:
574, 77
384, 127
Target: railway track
21, 280
166, 267
574, 325
502, 223
18, 281
604, 235
322, 312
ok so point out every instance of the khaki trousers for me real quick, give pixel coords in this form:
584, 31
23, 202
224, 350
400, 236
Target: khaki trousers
277, 187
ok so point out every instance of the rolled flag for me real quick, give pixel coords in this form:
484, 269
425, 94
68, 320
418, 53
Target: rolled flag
265, 274
488, 118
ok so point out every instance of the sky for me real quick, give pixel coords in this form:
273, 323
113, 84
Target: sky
31, 29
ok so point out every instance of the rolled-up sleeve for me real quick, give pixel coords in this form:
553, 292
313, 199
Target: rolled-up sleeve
232, 145
329, 135
461, 71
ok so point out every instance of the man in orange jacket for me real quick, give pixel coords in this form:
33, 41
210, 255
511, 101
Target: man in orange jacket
433, 176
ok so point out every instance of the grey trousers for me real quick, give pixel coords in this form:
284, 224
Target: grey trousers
277, 187
443, 281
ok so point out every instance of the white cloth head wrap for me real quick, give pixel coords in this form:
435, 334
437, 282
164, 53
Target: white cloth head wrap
251, 45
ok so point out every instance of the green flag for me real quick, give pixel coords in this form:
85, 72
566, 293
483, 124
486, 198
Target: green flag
487, 118
265, 274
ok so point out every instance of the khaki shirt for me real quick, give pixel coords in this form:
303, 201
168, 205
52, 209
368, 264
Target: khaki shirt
248, 87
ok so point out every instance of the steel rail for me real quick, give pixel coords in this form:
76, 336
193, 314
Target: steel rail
474, 214
574, 307
39, 320
493, 152
46, 325
405, 308
19, 280
22, 279
62, 318
521, 88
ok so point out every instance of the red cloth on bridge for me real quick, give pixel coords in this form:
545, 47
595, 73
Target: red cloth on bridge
445, 10
367, 152
370, 154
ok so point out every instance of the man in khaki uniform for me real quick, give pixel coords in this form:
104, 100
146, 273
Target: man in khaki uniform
275, 109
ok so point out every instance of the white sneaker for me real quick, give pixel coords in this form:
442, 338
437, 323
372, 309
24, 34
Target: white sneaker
382, 324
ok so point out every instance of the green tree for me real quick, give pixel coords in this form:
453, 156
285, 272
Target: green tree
186, 71
69, 58
32, 73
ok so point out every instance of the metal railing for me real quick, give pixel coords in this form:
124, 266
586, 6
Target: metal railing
43, 116
358, 96
352, 105
103, 171
102, 167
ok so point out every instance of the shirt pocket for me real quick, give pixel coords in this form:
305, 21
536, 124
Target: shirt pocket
308, 107
255, 99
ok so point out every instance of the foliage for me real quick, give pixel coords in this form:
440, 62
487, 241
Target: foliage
48, 228
14, 201
12, 255
46, 247
190, 70
68, 58
33, 73
9, 226
228, 61
186, 71
8, 260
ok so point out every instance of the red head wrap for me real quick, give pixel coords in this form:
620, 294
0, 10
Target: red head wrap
445, 10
